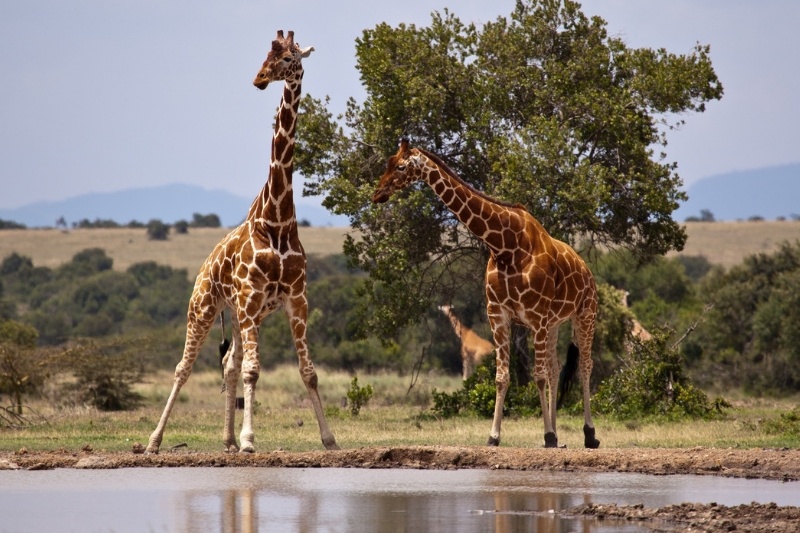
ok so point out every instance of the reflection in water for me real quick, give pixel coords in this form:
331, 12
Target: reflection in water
249, 500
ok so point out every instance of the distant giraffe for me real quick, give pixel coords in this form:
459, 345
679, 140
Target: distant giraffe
257, 268
473, 347
531, 278
637, 331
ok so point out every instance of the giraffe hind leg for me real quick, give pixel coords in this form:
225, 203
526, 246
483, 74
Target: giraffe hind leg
233, 367
585, 330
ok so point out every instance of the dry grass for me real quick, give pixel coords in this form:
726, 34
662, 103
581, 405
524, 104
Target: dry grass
728, 243
51, 247
722, 243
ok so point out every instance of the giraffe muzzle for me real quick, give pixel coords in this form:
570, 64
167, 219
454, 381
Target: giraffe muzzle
380, 196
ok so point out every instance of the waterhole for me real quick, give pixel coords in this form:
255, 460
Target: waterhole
345, 499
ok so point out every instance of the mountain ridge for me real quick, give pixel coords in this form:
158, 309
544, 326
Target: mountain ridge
767, 192
168, 203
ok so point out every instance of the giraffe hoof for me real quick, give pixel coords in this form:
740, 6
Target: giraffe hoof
493, 441
331, 445
550, 440
589, 441
247, 447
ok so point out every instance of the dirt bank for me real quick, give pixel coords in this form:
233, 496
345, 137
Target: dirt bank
777, 464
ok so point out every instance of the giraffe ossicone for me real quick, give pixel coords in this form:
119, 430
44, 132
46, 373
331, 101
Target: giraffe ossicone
531, 278
257, 268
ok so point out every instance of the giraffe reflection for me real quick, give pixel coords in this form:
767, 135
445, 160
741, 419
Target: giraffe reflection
531, 278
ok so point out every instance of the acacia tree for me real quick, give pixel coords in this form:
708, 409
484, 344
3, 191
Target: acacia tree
542, 108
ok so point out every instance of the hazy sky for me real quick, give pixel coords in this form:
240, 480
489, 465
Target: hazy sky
104, 95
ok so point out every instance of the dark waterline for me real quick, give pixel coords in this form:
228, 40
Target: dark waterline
341, 499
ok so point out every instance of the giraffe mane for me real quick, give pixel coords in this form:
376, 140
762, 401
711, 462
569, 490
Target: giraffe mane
450, 172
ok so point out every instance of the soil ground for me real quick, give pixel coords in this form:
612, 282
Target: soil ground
776, 464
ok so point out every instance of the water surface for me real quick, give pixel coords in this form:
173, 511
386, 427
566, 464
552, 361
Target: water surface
344, 499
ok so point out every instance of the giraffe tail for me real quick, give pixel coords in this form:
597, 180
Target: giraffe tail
567, 373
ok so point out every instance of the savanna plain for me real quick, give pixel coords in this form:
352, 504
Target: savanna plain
397, 428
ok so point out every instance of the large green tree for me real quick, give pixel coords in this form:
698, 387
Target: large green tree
542, 107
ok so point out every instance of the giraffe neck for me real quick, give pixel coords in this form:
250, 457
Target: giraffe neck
274, 207
485, 217
458, 327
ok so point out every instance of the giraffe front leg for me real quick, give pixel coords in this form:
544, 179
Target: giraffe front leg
195, 335
500, 332
251, 370
154, 443
297, 311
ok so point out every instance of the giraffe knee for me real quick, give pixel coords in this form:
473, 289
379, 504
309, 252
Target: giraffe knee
310, 379
250, 372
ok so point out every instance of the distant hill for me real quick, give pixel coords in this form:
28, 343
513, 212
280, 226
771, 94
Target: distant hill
769, 192
168, 203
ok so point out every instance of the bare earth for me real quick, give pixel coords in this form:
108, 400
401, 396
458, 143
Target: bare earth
777, 464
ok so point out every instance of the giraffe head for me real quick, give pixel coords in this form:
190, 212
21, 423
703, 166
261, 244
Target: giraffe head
283, 61
402, 169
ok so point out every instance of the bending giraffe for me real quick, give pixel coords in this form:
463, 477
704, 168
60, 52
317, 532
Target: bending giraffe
257, 268
637, 331
473, 347
531, 278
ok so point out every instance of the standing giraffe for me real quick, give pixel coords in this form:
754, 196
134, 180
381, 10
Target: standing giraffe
531, 278
257, 268
473, 347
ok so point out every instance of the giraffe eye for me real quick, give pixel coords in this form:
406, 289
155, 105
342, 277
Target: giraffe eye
401, 168
287, 59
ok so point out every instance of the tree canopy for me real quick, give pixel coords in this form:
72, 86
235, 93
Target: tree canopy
542, 108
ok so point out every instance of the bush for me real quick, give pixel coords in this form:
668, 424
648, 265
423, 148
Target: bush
157, 230
479, 394
358, 397
651, 382
22, 367
106, 372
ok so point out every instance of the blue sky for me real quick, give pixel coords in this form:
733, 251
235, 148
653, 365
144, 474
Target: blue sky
106, 95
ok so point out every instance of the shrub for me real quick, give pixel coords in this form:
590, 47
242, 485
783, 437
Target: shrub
358, 397
157, 230
479, 394
106, 372
652, 382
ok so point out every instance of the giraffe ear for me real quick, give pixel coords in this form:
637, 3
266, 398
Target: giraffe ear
305, 52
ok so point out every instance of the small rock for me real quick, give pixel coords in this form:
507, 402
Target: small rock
137, 448
91, 462
8, 465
